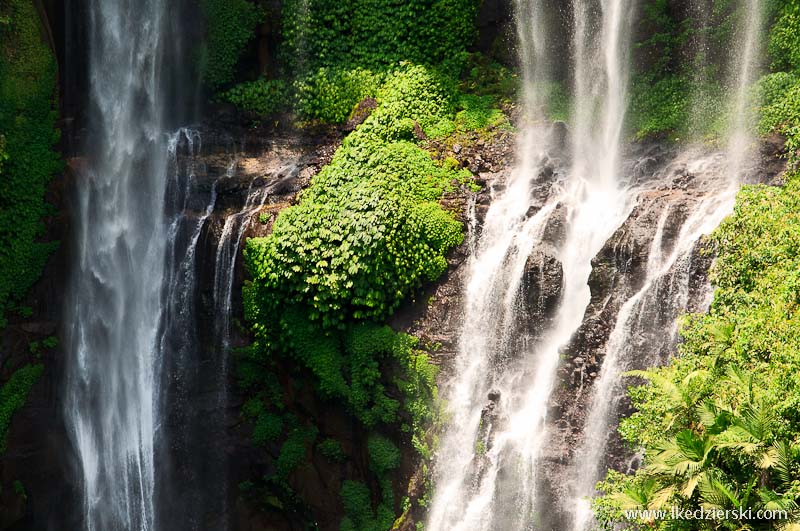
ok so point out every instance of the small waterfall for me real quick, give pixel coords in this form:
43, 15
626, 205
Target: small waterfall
227, 252
115, 295
645, 331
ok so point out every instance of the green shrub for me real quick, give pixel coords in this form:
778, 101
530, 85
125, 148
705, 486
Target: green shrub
332, 450
781, 112
230, 25
267, 429
262, 97
359, 515
294, 450
366, 233
383, 455
784, 38
14, 394
331, 93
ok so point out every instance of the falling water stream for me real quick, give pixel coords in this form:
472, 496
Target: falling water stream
116, 289
488, 467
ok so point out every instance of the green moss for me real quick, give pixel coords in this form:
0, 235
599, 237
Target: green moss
230, 25
14, 394
27, 159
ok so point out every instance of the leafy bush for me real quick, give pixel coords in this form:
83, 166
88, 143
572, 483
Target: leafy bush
383, 455
262, 97
230, 25
27, 160
366, 233
781, 112
331, 93
294, 450
359, 515
784, 39
14, 394
332, 450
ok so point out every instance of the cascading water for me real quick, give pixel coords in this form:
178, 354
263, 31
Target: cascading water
487, 464
116, 290
488, 469
641, 338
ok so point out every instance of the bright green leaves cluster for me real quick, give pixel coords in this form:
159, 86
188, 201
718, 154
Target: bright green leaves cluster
784, 41
781, 110
230, 25
376, 34
740, 436
365, 234
330, 93
27, 159
335, 54
14, 394
368, 231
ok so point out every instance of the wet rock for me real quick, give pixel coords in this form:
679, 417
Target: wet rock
542, 284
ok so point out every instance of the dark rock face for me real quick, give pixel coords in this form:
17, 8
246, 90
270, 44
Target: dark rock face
542, 285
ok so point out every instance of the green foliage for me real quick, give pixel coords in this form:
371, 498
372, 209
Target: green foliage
27, 159
784, 39
294, 451
383, 456
781, 110
230, 25
676, 105
359, 515
366, 232
268, 428
262, 97
376, 34
720, 424
677, 90
332, 450
14, 394
331, 93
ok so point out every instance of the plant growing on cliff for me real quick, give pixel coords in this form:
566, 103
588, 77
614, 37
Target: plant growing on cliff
27, 158
703, 439
14, 394
229, 27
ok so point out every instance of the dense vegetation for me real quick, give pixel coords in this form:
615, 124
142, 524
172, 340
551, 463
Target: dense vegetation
719, 425
27, 163
364, 237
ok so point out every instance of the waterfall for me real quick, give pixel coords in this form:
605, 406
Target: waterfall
115, 303
563, 207
638, 339
486, 473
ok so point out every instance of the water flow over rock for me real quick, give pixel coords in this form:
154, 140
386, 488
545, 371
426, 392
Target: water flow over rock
488, 465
